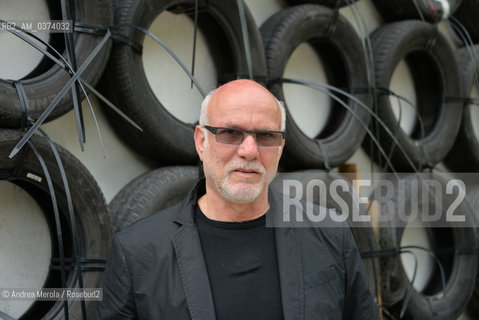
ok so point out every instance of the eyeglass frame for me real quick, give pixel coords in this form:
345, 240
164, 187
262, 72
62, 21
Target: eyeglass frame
253, 132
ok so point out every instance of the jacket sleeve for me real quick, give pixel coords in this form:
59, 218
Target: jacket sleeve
117, 302
359, 302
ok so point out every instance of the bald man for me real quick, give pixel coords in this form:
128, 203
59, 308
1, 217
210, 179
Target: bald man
212, 255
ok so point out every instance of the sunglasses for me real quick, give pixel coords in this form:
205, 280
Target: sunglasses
234, 136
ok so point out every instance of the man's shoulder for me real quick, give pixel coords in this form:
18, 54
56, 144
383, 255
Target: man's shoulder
152, 229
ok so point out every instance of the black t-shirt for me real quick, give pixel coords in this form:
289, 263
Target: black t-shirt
242, 268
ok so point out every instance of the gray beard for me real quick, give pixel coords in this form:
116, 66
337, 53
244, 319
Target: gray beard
246, 194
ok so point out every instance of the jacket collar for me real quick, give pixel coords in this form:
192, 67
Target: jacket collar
186, 213
192, 265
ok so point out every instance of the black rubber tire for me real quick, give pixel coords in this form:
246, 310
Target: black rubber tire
44, 83
467, 14
150, 193
473, 305
328, 3
91, 213
363, 235
460, 268
464, 155
166, 139
342, 54
434, 68
406, 9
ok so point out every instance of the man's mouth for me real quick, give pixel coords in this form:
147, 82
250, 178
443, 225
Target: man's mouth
246, 171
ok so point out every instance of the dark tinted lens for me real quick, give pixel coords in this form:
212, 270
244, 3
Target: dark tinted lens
268, 139
229, 136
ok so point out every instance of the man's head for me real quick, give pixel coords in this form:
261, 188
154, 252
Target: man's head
239, 173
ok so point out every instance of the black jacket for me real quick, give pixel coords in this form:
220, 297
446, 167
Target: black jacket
156, 270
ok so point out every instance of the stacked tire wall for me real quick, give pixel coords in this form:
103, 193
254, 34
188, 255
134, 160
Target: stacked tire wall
142, 172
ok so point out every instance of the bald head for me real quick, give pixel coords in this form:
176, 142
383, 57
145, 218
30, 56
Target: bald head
236, 92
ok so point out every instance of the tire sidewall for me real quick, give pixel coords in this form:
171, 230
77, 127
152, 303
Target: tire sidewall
126, 83
93, 220
41, 90
392, 43
309, 22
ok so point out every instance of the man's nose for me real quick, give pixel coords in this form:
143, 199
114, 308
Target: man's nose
248, 149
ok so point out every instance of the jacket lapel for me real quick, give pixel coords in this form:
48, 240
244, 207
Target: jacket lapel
290, 273
191, 263
193, 272
289, 258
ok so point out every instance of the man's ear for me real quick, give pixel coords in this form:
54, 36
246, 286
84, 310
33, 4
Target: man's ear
199, 141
